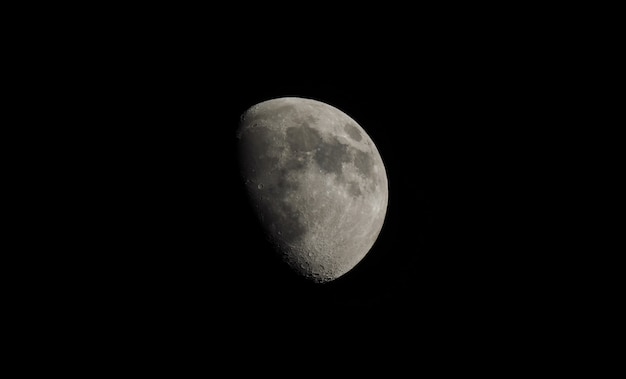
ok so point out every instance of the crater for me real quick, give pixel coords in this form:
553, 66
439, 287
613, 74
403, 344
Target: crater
353, 132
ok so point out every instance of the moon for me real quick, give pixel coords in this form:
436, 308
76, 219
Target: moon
316, 182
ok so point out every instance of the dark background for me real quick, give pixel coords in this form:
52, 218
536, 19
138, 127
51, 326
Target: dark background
146, 250
462, 121
452, 140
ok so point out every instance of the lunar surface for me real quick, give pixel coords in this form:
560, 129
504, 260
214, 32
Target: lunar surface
316, 181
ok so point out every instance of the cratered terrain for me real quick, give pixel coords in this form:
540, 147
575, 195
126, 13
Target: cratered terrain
316, 182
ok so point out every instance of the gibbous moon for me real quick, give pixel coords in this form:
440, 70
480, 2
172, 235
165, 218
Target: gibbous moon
316, 181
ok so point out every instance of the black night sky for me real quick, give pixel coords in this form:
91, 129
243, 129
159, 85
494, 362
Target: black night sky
445, 242
453, 123
161, 255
